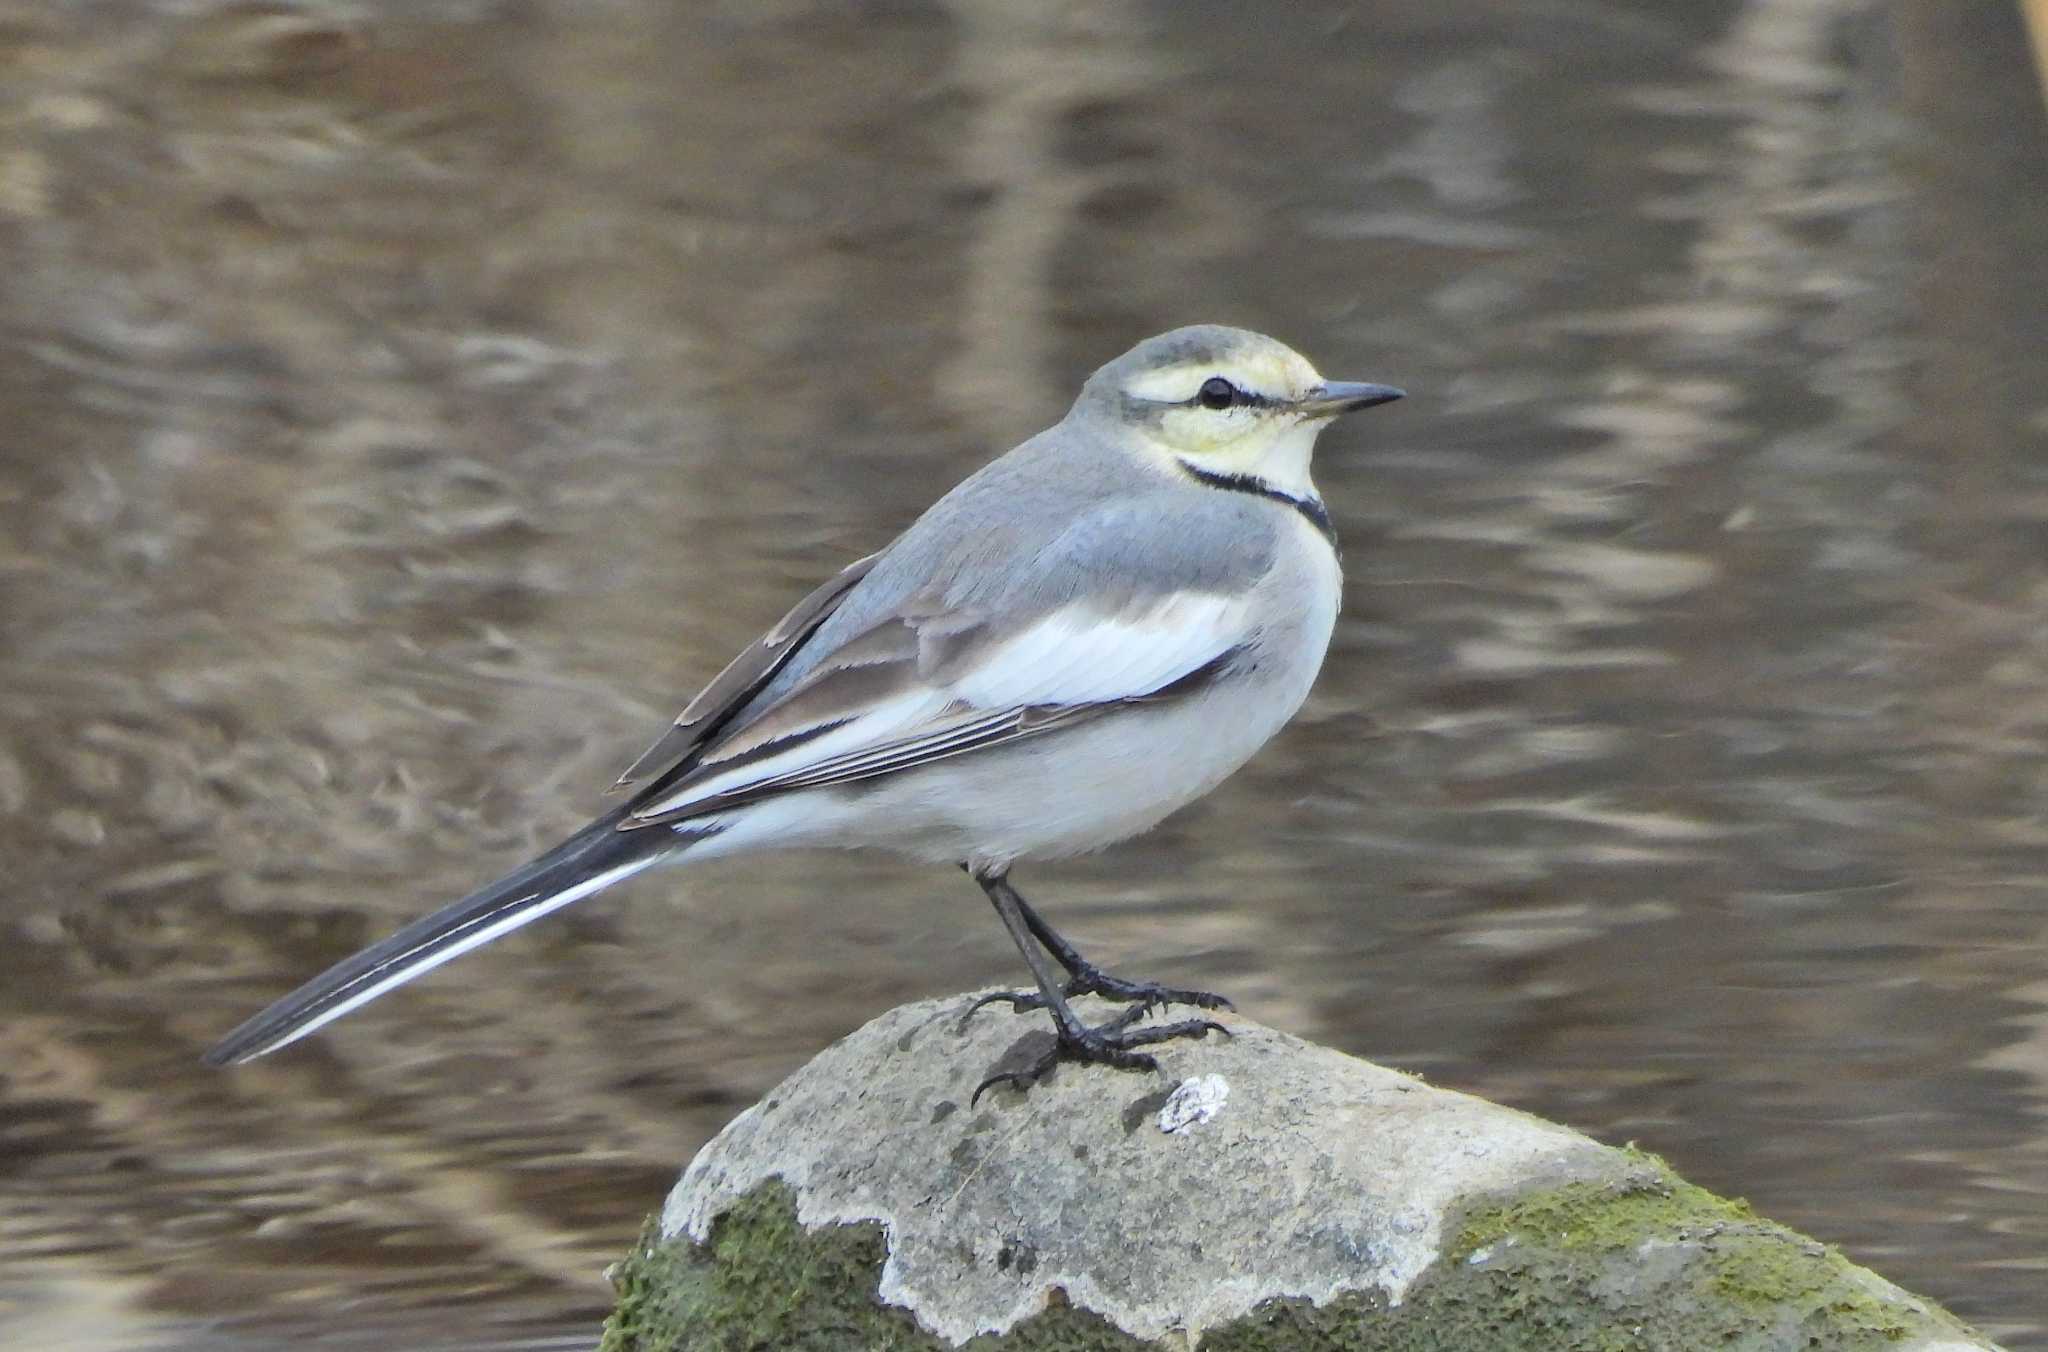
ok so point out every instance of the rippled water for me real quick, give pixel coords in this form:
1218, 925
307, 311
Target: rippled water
407, 406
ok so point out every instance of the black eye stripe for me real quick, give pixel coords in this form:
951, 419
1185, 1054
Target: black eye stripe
1218, 394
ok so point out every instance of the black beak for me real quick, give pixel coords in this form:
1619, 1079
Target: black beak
1333, 397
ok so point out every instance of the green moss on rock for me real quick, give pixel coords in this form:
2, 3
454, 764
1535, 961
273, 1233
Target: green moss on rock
1649, 1260
1646, 1261
763, 1283
1645, 1201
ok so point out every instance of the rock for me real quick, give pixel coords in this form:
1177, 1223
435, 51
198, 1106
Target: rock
1260, 1192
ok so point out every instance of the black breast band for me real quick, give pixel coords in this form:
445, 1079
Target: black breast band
1312, 508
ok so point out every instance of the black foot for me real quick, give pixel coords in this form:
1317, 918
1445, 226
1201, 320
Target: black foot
1107, 1044
1089, 979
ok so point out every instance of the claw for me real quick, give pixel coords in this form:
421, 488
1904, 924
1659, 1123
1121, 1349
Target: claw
1147, 995
1019, 1001
1165, 1031
1094, 981
1108, 1044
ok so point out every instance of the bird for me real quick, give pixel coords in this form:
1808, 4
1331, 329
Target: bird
1088, 633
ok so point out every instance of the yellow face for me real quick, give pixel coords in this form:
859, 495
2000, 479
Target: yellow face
1234, 412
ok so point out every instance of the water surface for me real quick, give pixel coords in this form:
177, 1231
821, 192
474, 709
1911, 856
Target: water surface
408, 406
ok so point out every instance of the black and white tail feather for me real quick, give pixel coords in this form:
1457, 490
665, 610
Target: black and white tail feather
607, 851
589, 861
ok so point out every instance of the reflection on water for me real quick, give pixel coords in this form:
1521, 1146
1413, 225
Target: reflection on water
409, 405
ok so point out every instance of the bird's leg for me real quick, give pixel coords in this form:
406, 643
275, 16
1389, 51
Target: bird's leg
1085, 978
1111, 1043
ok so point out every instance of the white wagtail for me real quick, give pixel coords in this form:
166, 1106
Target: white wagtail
1088, 633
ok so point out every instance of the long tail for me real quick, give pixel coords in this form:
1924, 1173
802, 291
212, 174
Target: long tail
589, 861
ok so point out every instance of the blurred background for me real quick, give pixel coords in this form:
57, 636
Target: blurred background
404, 407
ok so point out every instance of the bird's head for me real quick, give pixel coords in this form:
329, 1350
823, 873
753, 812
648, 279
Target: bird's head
1224, 401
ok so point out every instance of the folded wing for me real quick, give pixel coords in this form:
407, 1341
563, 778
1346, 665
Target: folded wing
744, 677
933, 682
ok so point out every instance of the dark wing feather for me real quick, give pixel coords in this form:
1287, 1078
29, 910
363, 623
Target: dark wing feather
743, 678
967, 730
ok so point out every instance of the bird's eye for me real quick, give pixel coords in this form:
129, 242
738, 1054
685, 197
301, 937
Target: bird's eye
1217, 393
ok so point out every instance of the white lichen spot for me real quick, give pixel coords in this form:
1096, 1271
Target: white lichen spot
1196, 1101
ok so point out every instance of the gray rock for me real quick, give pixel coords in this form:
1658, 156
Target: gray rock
1260, 1192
